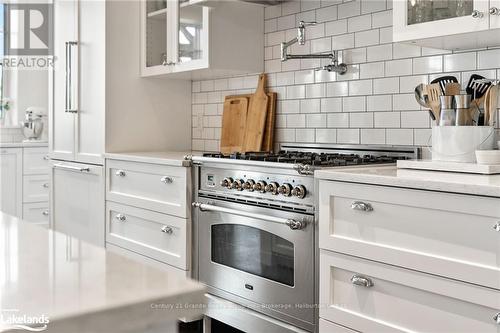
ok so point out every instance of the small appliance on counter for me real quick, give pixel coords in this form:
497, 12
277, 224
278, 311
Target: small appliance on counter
33, 124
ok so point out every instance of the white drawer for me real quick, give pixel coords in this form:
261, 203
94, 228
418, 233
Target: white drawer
161, 188
326, 326
35, 161
37, 213
159, 236
36, 188
157, 264
441, 233
401, 300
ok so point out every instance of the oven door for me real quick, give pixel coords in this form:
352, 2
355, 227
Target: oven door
258, 254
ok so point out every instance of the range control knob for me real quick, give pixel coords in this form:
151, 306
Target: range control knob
285, 189
227, 182
249, 184
299, 192
272, 188
238, 184
260, 186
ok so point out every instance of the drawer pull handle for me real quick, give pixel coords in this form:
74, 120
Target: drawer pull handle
46, 158
496, 318
120, 173
496, 227
361, 206
121, 217
167, 180
45, 213
362, 281
45, 185
166, 229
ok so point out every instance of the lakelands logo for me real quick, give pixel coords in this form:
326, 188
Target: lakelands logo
28, 35
12, 319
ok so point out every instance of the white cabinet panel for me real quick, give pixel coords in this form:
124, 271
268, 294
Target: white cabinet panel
11, 179
392, 299
495, 18
446, 234
77, 201
36, 188
158, 236
160, 188
37, 213
35, 161
326, 326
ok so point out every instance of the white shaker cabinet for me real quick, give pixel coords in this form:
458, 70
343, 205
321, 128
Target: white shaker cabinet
11, 180
450, 25
187, 39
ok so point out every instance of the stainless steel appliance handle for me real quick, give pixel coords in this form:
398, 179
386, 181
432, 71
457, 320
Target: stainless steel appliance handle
292, 224
72, 168
69, 79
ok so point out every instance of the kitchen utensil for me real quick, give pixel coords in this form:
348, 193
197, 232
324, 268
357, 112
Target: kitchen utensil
443, 81
268, 140
452, 89
421, 97
234, 120
488, 157
490, 106
477, 89
256, 117
433, 93
463, 114
448, 114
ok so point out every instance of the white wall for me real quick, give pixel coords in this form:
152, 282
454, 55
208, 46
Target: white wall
372, 104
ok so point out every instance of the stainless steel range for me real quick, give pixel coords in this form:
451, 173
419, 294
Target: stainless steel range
255, 224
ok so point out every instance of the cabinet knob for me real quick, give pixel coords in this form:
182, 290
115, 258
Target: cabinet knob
494, 11
166, 229
477, 14
167, 180
361, 206
46, 158
496, 318
496, 227
120, 173
121, 217
45, 185
45, 213
362, 281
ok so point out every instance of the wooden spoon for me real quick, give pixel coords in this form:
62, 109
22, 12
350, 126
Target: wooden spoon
490, 106
452, 89
433, 93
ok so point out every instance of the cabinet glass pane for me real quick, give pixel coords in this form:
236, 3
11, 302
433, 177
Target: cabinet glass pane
190, 32
156, 33
420, 11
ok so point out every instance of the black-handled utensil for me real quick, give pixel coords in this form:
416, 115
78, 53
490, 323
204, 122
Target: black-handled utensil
443, 81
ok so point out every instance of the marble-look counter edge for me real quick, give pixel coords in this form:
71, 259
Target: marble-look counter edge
171, 158
474, 184
23, 144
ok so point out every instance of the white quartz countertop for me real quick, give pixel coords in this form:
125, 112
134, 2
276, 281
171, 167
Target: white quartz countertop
174, 158
484, 185
24, 144
84, 288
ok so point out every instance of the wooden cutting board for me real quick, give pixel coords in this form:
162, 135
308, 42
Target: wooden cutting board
268, 140
234, 118
256, 117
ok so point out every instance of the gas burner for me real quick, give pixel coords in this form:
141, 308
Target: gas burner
309, 158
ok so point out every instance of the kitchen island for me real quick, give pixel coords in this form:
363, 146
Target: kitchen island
50, 278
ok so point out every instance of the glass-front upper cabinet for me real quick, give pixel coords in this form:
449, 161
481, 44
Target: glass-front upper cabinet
418, 20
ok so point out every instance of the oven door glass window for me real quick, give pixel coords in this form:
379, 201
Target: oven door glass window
254, 251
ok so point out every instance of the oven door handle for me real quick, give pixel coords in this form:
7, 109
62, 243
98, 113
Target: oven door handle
291, 223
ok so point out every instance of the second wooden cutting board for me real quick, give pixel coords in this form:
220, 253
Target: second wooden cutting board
256, 118
234, 120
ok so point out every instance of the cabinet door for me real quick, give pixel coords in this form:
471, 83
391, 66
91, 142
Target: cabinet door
156, 57
419, 19
190, 39
11, 181
62, 123
77, 201
495, 18
89, 144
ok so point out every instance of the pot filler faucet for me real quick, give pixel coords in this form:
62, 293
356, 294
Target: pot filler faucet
334, 66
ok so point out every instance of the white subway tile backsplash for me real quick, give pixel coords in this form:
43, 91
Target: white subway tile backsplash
373, 103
